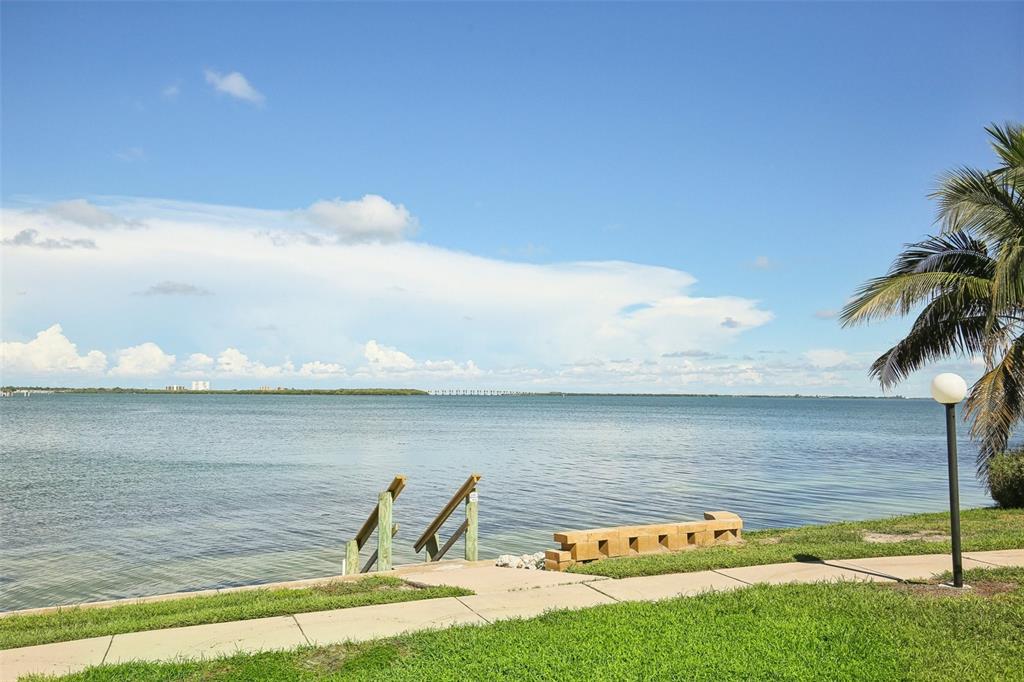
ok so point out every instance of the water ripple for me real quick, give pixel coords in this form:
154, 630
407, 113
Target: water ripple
117, 496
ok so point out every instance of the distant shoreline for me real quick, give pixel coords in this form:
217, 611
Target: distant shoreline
240, 391
421, 392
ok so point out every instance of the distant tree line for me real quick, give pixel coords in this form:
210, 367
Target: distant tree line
242, 391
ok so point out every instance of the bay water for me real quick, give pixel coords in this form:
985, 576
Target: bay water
106, 496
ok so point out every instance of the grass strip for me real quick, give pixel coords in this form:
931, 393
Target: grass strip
791, 632
79, 623
982, 529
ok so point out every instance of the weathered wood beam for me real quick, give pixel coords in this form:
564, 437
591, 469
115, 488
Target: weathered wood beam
370, 525
432, 546
452, 540
467, 487
373, 557
471, 527
351, 557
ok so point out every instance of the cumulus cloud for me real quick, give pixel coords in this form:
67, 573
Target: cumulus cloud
50, 352
234, 84
371, 218
321, 370
171, 91
169, 288
385, 361
450, 369
233, 362
819, 370
81, 212
763, 263
144, 360
197, 363
386, 357
535, 318
30, 237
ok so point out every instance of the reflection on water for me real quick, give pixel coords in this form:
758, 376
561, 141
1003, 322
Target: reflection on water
115, 496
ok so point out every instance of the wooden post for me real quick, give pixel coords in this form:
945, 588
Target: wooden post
471, 527
384, 531
373, 557
351, 557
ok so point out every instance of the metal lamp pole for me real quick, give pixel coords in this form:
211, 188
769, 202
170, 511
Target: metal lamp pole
954, 496
949, 389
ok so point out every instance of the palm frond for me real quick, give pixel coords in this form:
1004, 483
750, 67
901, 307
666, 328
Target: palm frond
1008, 143
1008, 277
975, 201
969, 283
945, 328
955, 264
996, 403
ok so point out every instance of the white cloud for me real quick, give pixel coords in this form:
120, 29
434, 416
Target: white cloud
372, 218
81, 212
234, 84
30, 237
50, 352
826, 314
763, 263
233, 362
145, 360
517, 321
451, 369
171, 91
827, 357
197, 363
669, 320
321, 370
385, 361
822, 370
386, 357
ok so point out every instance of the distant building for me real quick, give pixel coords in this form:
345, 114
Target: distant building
200, 385
176, 388
266, 389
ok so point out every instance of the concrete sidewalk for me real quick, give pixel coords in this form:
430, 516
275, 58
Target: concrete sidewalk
500, 593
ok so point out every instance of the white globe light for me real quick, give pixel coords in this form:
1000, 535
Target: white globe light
949, 388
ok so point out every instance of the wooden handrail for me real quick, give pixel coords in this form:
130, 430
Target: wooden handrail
451, 541
452, 505
396, 487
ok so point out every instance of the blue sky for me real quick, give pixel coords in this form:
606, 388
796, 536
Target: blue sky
761, 159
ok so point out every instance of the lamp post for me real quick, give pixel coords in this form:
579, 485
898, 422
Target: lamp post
949, 389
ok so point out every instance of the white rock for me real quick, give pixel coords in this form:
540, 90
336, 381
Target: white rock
529, 562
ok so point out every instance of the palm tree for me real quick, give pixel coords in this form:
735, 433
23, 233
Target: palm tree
968, 283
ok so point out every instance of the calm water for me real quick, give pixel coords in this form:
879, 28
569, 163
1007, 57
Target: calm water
115, 496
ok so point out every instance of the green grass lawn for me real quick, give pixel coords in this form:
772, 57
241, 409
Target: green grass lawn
78, 623
981, 529
838, 631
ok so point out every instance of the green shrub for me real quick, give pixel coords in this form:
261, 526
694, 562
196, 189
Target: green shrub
1006, 478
